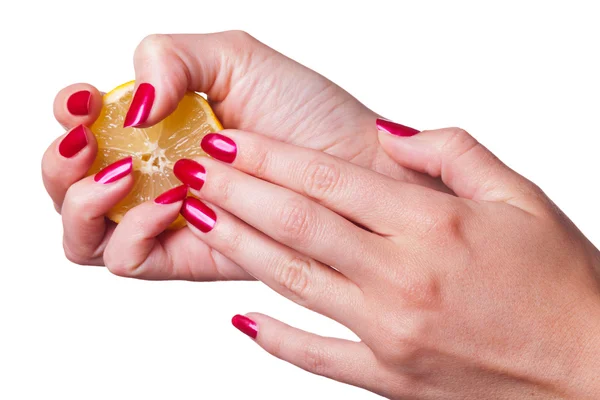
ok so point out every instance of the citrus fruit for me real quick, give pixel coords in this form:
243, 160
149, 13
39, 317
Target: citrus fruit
155, 149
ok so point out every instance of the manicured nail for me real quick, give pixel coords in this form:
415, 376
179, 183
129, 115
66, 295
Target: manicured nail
73, 143
198, 214
245, 325
190, 173
394, 128
220, 147
140, 105
173, 195
79, 102
115, 171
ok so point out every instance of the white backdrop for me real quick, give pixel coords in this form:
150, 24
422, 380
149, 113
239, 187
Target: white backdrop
523, 77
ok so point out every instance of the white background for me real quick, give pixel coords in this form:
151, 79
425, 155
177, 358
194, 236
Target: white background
523, 77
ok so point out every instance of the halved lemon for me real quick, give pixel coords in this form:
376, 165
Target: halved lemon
154, 150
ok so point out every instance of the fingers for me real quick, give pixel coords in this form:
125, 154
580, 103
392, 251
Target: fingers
169, 65
291, 274
85, 204
141, 248
133, 249
77, 104
463, 164
357, 193
285, 216
342, 360
66, 161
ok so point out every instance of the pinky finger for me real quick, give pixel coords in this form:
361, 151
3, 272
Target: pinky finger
338, 359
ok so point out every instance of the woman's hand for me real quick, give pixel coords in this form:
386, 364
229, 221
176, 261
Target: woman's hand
491, 294
251, 87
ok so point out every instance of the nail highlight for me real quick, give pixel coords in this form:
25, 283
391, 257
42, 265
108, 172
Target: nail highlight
245, 325
79, 102
173, 195
394, 128
140, 105
220, 147
190, 173
115, 171
74, 142
198, 214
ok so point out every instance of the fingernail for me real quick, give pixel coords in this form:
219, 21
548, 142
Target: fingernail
79, 102
220, 147
198, 214
173, 195
190, 173
394, 128
115, 171
245, 325
140, 105
73, 143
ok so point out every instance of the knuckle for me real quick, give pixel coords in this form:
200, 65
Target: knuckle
260, 161
314, 359
156, 42
293, 276
296, 221
321, 179
73, 256
401, 339
222, 188
446, 225
118, 264
239, 36
231, 241
459, 143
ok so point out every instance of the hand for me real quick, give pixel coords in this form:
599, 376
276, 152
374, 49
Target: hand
250, 87
490, 294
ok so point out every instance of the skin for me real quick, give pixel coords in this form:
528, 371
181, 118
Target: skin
234, 70
488, 292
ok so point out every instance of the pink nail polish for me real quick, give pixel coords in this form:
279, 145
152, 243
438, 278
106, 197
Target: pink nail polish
79, 102
394, 128
246, 325
140, 105
73, 143
115, 171
220, 147
198, 214
173, 195
190, 173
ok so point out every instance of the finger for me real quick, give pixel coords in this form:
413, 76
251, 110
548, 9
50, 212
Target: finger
86, 202
285, 216
66, 161
167, 66
291, 274
357, 193
141, 248
77, 104
341, 360
464, 165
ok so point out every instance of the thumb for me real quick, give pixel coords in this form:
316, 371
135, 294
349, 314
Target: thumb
463, 164
167, 66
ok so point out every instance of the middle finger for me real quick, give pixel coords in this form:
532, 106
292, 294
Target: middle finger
282, 214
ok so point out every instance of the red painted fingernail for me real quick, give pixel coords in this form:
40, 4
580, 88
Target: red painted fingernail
190, 173
79, 102
245, 325
171, 196
115, 171
74, 142
220, 147
140, 105
394, 128
198, 214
